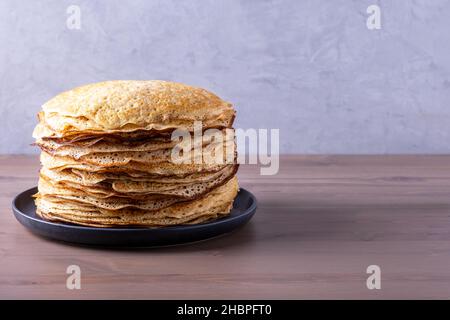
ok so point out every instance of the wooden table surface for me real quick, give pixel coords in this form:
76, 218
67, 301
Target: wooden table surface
320, 222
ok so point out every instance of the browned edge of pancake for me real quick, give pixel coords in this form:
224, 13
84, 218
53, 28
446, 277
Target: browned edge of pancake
73, 136
184, 199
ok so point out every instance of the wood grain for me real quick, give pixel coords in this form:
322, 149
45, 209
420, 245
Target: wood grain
320, 222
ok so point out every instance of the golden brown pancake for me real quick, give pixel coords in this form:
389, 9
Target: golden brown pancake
107, 156
127, 106
216, 203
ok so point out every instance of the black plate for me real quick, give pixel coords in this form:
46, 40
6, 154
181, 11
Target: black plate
24, 209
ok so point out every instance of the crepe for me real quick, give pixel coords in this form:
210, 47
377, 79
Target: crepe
127, 106
100, 155
108, 155
133, 189
163, 168
216, 203
124, 143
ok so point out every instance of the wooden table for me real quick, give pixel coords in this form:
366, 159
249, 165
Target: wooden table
320, 222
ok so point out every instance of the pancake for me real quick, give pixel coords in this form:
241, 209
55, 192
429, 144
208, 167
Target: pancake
134, 189
107, 155
121, 143
162, 168
88, 178
216, 203
99, 145
93, 179
58, 193
112, 203
129, 138
127, 106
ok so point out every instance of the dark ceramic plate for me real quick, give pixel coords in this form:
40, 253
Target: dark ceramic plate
24, 209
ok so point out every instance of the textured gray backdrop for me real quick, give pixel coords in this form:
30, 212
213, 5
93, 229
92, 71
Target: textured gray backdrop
310, 68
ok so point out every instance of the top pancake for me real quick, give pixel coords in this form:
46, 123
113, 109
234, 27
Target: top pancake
128, 106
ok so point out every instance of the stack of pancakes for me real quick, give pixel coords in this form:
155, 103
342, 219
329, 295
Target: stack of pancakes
107, 156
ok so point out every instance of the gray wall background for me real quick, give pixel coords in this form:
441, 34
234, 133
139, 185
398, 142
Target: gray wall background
310, 68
